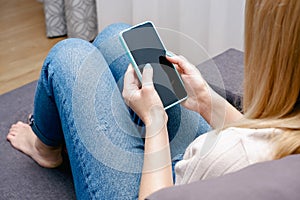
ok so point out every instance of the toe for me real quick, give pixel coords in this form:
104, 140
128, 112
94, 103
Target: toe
21, 124
12, 133
13, 130
15, 126
9, 137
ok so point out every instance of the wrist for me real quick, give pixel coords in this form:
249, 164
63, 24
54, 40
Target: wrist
155, 115
205, 102
156, 121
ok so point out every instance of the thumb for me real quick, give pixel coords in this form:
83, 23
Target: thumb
147, 78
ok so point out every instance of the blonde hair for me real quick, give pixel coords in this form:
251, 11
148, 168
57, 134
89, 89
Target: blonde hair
272, 71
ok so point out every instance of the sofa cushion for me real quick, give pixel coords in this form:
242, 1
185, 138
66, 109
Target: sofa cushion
225, 74
274, 180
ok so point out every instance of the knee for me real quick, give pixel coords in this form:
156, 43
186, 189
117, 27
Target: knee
69, 49
67, 55
116, 28
66, 61
110, 31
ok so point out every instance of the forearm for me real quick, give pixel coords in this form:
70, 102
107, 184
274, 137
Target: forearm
157, 170
217, 111
145, 102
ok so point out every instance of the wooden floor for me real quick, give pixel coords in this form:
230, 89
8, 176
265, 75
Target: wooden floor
23, 40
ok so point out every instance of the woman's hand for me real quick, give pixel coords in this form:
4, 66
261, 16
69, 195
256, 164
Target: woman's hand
144, 101
201, 98
196, 87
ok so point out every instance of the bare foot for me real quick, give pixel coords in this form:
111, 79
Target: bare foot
23, 139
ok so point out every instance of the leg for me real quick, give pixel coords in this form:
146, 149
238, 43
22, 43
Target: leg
45, 149
105, 148
109, 44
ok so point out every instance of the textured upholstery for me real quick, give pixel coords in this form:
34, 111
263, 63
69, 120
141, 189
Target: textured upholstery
225, 74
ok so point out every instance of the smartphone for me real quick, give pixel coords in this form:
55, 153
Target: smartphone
143, 45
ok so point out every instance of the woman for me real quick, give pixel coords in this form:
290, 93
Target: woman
78, 102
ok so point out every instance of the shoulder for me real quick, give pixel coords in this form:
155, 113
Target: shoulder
250, 132
256, 142
219, 152
230, 137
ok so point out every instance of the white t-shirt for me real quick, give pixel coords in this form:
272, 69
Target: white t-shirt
215, 154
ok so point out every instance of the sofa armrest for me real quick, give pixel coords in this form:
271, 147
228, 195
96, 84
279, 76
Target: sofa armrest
225, 74
271, 180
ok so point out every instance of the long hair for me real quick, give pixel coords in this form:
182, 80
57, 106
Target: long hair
272, 71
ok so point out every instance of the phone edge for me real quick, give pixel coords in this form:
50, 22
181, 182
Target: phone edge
137, 70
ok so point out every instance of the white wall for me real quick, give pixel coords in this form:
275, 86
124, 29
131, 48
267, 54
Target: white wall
216, 25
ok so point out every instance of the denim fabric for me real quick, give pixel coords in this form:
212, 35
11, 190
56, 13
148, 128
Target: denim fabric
78, 101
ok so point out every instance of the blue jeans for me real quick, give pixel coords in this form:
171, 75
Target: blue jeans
78, 101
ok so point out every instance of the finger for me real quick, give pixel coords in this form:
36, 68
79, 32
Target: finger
147, 79
130, 77
136, 79
182, 63
180, 71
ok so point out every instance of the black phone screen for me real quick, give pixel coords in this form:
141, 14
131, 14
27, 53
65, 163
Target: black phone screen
145, 47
